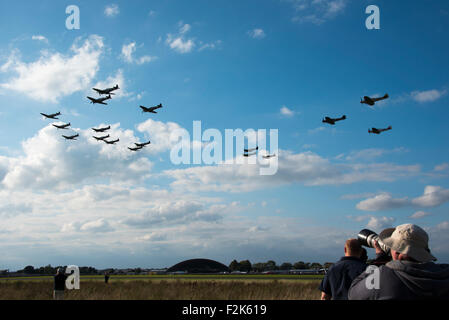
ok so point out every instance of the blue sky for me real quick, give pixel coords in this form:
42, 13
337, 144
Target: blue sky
272, 64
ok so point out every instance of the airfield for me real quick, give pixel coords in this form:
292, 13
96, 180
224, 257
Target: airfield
170, 287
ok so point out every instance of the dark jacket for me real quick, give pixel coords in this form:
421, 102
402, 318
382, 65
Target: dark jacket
338, 279
60, 281
404, 280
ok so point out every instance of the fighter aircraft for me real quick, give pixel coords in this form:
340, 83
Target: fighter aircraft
64, 126
111, 142
71, 137
141, 145
332, 121
372, 101
51, 116
107, 91
101, 138
269, 156
102, 129
135, 149
151, 110
99, 100
379, 131
251, 150
249, 154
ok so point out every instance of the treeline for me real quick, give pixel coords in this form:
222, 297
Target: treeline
246, 266
47, 270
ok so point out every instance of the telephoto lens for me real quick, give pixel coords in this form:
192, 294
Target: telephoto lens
368, 237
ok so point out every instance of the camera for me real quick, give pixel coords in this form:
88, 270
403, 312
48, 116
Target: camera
368, 237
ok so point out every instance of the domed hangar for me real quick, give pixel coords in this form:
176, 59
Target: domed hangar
199, 266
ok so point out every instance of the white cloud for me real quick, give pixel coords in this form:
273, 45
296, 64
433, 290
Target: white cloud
160, 134
210, 46
380, 223
40, 38
256, 33
287, 112
317, 11
433, 196
54, 76
419, 215
307, 168
111, 10
50, 162
175, 212
428, 96
184, 28
372, 153
179, 44
443, 226
100, 225
127, 55
316, 130
441, 167
383, 201
182, 44
154, 236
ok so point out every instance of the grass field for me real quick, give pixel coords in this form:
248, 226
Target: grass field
186, 287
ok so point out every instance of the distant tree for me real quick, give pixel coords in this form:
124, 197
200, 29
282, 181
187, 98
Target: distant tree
245, 266
270, 265
315, 265
286, 266
234, 266
327, 265
258, 267
28, 270
48, 270
300, 265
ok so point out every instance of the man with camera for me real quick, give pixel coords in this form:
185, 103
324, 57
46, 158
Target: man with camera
410, 275
338, 279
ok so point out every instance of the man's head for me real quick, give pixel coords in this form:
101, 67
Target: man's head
407, 242
353, 248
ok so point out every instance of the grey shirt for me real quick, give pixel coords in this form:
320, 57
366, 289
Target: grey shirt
404, 280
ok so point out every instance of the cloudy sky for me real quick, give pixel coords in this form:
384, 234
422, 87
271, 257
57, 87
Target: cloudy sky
271, 64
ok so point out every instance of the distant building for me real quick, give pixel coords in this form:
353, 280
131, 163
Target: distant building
198, 266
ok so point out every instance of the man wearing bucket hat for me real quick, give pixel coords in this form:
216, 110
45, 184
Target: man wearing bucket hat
411, 275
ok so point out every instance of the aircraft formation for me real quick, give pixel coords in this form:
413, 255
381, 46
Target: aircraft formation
54, 116
365, 100
105, 94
